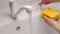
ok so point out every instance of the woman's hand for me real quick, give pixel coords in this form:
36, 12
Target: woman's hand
53, 24
48, 1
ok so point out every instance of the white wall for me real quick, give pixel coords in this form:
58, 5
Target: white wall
4, 3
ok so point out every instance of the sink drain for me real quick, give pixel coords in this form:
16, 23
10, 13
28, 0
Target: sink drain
18, 28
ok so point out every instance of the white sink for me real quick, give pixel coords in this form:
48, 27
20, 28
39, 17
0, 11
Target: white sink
38, 25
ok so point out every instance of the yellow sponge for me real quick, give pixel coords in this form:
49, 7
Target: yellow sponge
51, 13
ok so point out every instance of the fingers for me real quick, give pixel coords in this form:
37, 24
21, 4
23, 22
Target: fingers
48, 1
44, 3
53, 24
50, 21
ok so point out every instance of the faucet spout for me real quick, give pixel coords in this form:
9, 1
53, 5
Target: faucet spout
28, 9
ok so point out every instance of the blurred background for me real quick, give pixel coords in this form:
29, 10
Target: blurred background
5, 3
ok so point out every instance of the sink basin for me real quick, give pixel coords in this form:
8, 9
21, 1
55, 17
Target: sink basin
4, 17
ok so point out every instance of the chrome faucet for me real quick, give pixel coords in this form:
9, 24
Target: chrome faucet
28, 9
12, 5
